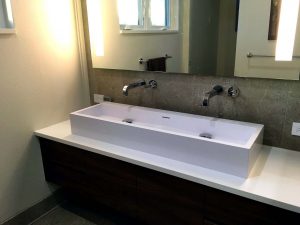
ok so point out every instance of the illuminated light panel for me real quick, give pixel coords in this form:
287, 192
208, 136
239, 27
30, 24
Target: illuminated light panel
94, 8
287, 30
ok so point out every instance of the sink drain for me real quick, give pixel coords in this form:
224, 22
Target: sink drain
127, 120
206, 135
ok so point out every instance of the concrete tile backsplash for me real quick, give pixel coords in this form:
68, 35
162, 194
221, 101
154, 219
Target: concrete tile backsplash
274, 103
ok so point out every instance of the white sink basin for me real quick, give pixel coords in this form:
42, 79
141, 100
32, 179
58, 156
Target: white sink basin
227, 146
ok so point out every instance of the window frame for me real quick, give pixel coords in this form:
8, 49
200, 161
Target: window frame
172, 17
148, 21
140, 19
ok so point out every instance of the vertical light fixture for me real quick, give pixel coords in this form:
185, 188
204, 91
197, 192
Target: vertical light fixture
94, 10
287, 30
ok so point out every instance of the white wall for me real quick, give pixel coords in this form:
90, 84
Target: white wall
122, 51
40, 83
253, 37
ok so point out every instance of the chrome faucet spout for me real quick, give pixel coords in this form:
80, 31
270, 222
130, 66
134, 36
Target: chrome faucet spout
217, 90
126, 88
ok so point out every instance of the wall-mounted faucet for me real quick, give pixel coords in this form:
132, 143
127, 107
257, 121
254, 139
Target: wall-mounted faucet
217, 90
151, 84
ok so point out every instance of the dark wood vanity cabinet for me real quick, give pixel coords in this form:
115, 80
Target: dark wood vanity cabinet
103, 179
149, 196
209, 222
229, 209
164, 199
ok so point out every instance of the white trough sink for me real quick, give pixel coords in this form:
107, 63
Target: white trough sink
227, 146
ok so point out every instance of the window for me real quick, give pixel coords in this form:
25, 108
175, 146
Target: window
148, 15
159, 13
130, 13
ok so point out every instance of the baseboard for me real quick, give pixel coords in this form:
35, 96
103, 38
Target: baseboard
36, 211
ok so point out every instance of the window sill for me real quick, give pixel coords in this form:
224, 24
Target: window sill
149, 31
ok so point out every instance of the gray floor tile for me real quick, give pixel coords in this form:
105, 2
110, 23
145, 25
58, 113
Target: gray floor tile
61, 216
73, 214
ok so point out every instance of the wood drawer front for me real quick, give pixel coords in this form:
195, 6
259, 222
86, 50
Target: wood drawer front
110, 167
61, 154
114, 192
164, 199
91, 163
209, 222
153, 197
64, 176
231, 209
109, 181
109, 191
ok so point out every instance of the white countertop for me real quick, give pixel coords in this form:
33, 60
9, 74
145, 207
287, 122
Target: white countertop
275, 179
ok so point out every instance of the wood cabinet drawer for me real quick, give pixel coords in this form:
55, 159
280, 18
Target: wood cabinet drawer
115, 193
164, 199
209, 222
64, 176
231, 209
61, 154
109, 168
111, 182
154, 198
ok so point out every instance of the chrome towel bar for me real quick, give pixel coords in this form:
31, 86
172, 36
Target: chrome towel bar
251, 55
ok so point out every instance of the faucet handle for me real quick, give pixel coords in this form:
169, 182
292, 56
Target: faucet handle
233, 91
152, 84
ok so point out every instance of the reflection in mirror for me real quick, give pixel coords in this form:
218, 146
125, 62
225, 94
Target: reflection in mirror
148, 15
6, 16
186, 31
253, 32
205, 37
212, 37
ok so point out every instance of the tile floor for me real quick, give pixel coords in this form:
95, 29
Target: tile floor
73, 214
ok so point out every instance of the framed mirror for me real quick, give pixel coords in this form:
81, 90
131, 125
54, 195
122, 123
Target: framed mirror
206, 37
6, 17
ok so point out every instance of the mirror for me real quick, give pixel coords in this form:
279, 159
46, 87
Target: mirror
6, 17
205, 37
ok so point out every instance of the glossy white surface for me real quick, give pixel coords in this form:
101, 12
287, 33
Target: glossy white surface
233, 148
275, 179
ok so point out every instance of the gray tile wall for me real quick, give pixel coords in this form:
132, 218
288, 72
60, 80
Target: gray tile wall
274, 103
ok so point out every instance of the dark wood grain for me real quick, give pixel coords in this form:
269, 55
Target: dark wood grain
230, 209
164, 199
151, 197
61, 154
107, 181
209, 222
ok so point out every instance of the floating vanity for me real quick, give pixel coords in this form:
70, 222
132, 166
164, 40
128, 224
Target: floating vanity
115, 155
